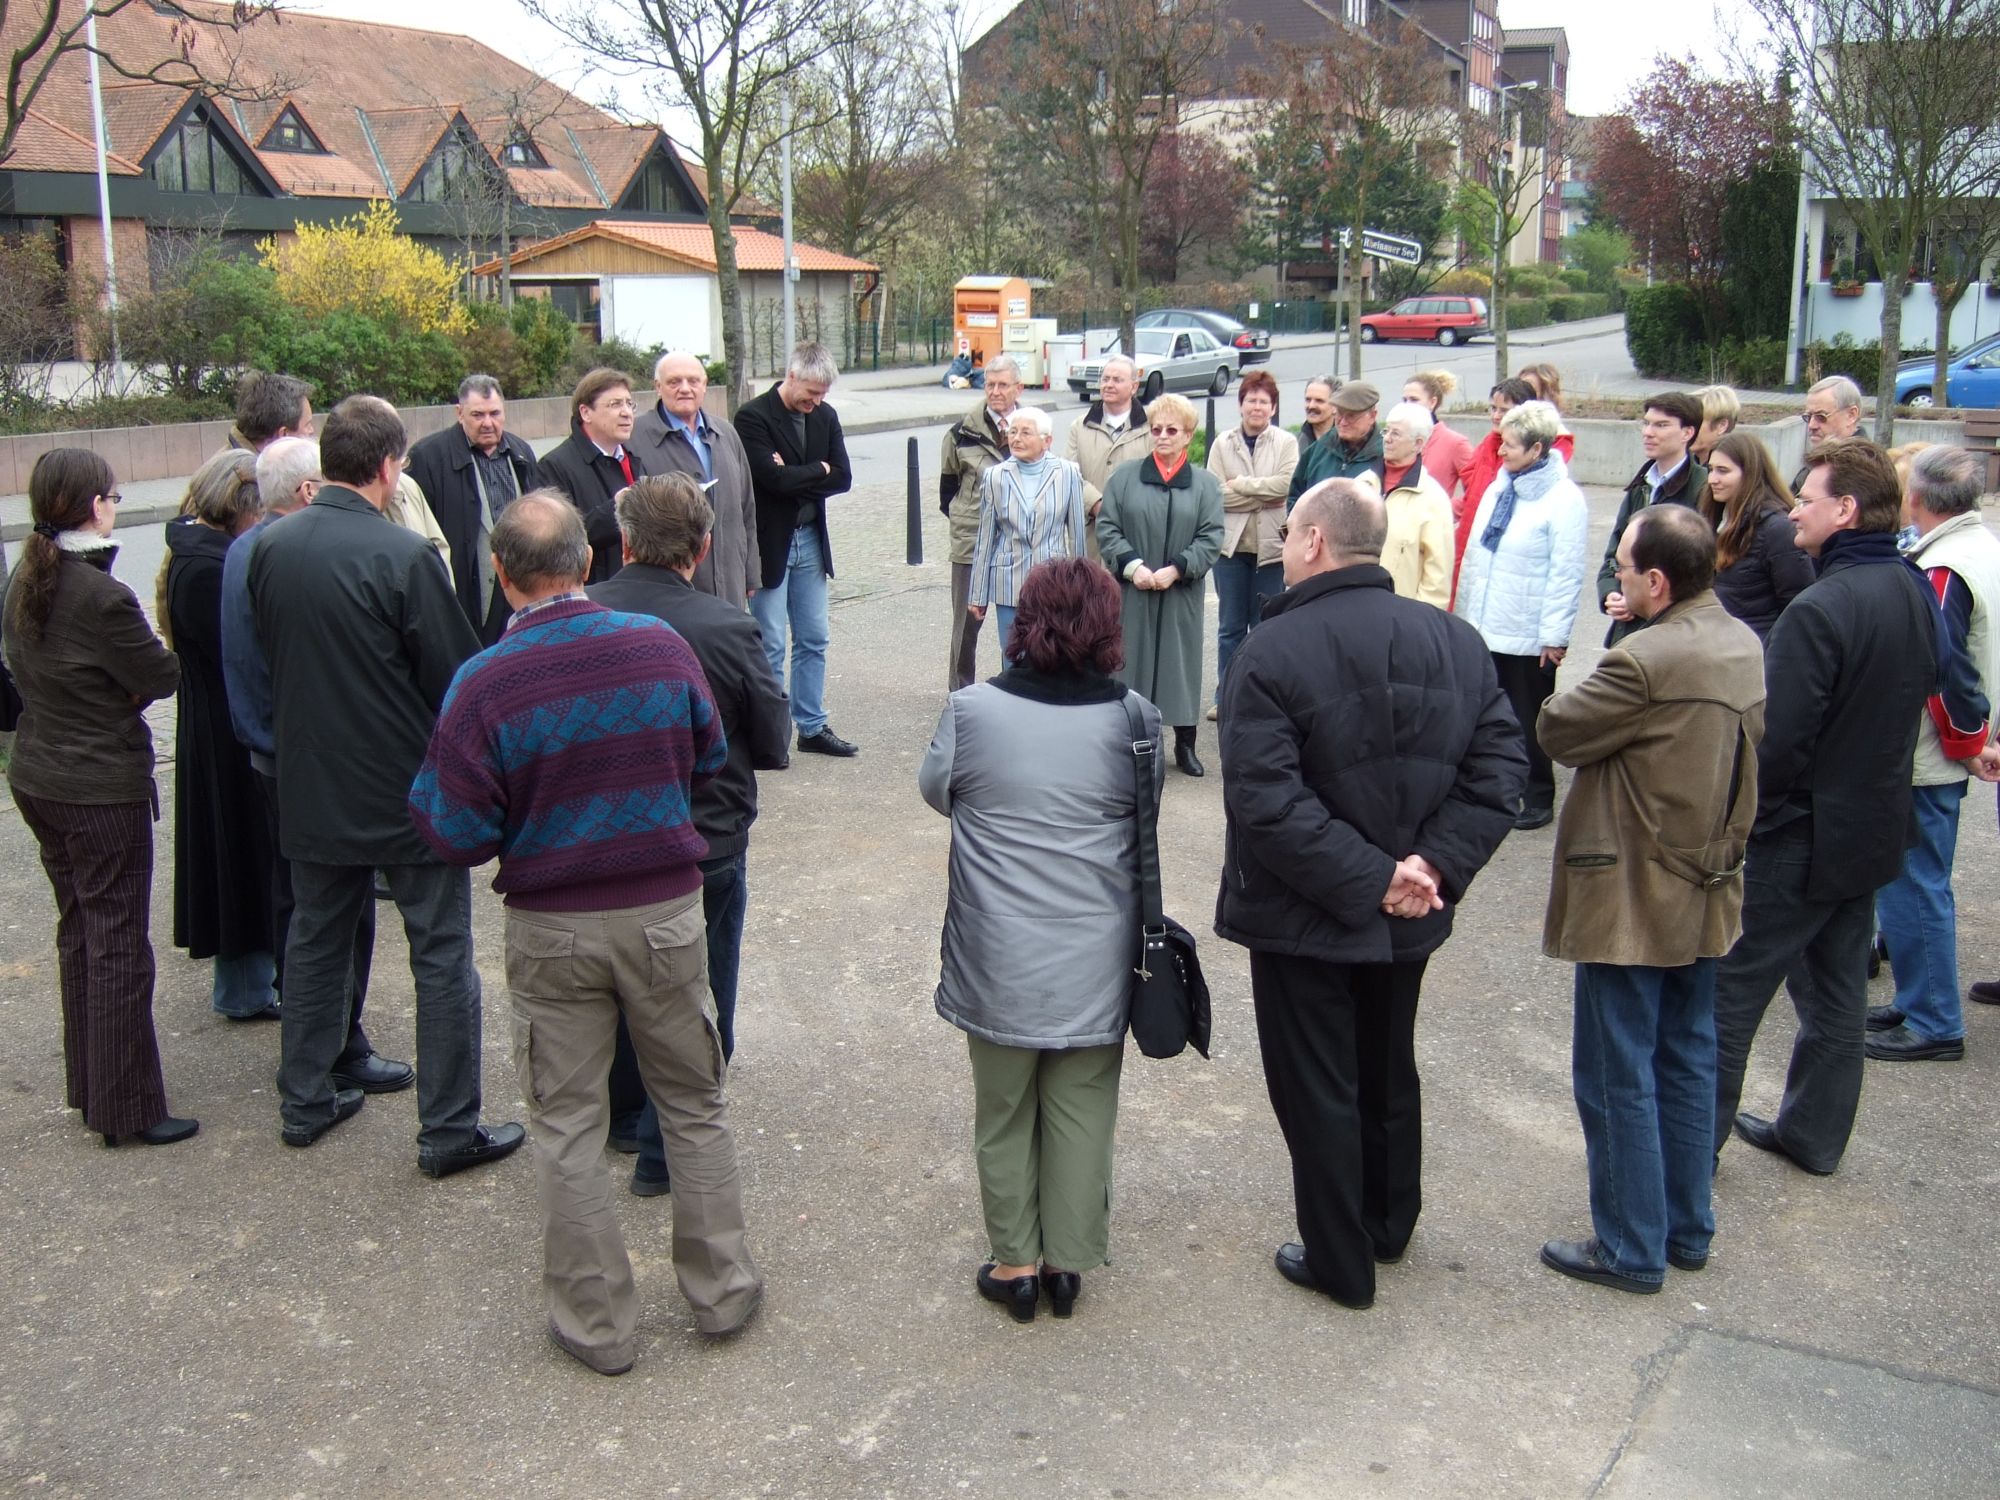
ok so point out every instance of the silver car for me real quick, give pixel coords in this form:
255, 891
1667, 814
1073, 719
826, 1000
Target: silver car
1169, 359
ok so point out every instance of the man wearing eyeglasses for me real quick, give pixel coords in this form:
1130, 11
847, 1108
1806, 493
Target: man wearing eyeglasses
675, 436
594, 464
1833, 410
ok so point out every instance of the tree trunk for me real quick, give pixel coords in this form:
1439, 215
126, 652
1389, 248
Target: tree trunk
1354, 292
507, 249
1128, 264
1892, 353
1947, 295
1499, 307
729, 287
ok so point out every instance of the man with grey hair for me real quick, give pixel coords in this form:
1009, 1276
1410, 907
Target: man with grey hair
798, 462
668, 529
972, 445
675, 435
471, 472
1355, 723
1916, 913
1111, 433
1833, 410
579, 707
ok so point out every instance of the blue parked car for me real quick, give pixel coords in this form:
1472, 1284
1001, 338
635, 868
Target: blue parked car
1972, 378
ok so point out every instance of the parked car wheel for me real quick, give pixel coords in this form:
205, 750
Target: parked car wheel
1155, 383
1921, 396
1220, 385
1368, 334
1447, 337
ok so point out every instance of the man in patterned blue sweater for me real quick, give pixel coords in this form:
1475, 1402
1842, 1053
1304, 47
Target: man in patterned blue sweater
570, 749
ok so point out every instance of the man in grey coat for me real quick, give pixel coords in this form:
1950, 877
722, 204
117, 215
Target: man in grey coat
675, 436
363, 633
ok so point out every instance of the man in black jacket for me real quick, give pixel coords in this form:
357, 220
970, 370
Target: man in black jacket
363, 637
470, 473
593, 464
668, 529
1671, 475
1370, 768
798, 461
1849, 666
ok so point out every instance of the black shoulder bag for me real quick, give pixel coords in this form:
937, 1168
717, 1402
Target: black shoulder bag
1169, 996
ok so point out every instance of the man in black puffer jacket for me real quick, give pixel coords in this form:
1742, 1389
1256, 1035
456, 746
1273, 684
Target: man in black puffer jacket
1370, 768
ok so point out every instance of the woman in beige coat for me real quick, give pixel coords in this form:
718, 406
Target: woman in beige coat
1418, 549
1253, 462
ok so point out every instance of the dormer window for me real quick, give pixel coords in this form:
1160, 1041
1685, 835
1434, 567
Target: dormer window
289, 133
522, 152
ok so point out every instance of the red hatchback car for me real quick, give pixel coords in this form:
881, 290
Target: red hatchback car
1449, 320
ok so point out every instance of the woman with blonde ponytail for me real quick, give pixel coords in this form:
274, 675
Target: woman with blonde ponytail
87, 663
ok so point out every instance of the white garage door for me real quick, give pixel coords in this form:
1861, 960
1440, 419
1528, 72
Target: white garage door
670, 310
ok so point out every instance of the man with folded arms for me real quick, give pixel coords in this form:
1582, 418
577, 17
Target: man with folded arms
571, 750
1647, 894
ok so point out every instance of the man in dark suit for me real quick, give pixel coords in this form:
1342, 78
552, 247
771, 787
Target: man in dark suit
676, 436
593, 464
668, 529
358, 623
798, 461
470, 473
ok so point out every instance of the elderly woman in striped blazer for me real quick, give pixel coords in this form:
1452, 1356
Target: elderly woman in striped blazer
1031, 510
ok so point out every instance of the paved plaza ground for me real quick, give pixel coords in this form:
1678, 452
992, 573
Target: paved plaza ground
232, 1318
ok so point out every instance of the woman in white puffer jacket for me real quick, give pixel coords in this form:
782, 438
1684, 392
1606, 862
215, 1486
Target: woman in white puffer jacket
1524, 567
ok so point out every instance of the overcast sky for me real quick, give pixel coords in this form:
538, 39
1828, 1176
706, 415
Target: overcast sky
1609, 46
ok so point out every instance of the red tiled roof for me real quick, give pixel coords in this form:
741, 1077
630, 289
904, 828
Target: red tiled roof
691, 245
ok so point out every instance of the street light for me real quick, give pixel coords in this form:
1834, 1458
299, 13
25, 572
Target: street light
1502, 157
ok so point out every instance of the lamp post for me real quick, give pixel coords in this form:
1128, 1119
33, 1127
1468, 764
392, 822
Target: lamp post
1502, 158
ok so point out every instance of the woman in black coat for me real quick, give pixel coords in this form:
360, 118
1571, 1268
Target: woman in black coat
1759, 568
222, 843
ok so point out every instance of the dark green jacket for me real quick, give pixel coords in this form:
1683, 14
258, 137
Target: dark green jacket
1330, 458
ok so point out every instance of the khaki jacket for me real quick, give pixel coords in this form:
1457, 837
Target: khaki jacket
971, 447
1097, 451
1649, 848
1418, 548
409, 509
1254, 482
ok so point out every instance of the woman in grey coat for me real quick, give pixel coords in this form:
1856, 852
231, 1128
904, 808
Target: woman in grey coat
1035, 771
1160, 531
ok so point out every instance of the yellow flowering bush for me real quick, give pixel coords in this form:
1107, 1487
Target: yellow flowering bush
363, 265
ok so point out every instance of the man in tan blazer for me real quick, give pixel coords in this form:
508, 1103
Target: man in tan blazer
1647, 894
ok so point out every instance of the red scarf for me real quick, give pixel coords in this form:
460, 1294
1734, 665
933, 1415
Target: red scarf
1167, 474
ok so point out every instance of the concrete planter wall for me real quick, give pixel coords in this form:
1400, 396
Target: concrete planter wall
1608, 451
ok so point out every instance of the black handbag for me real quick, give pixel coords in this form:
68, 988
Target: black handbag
1169, 996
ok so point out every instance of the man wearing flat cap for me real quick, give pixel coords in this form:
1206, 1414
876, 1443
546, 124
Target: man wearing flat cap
1352, 450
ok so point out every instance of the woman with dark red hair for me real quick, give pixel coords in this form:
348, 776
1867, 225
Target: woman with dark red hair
1253, 462
1035, 771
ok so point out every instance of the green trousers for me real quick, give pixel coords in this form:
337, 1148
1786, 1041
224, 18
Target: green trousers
1043, 1123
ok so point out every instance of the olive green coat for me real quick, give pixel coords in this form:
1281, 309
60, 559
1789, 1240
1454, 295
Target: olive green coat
1147, 520
972, 445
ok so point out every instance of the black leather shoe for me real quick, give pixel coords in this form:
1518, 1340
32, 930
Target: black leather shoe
374, 1074
1579, 1258
584, 1359
651, 1187
489, 1143
1884, 1018
272, 1012
1681, 1261
1017, 1294
1986, 992
1530, 818
1291, 1263
1187, 760
1387, 1258
1878, 953
1763, 1134
165, 1133
826, 742
1063, 1288
1902, 1044
346, 1105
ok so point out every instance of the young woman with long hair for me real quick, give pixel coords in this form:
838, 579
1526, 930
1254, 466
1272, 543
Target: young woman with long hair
1759, 568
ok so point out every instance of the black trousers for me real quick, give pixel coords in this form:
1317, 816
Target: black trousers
1339, 1045
1528, 685
358, 1046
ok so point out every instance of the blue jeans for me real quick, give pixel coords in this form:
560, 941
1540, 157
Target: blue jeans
244, 985
1241, 587
798, 600
725, 897
1919, 918
1643, 1069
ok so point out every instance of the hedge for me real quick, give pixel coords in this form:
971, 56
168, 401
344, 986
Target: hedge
1663, 330
1576, 306
1859, 362
1527, 312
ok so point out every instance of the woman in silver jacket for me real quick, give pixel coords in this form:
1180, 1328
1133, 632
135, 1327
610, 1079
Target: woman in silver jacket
1036, 772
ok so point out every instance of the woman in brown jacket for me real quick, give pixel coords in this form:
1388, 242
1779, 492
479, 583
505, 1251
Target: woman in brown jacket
87, 664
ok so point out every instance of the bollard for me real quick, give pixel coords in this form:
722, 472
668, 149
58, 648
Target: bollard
913, 551
1208, 439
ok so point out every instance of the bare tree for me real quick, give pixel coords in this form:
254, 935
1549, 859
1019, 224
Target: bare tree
207, 53
1963, 237
724, 62
1498, 196
1898, 103
1365, 106
482, 197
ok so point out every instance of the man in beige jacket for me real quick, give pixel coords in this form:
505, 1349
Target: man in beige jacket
1111, 433
1647, 894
